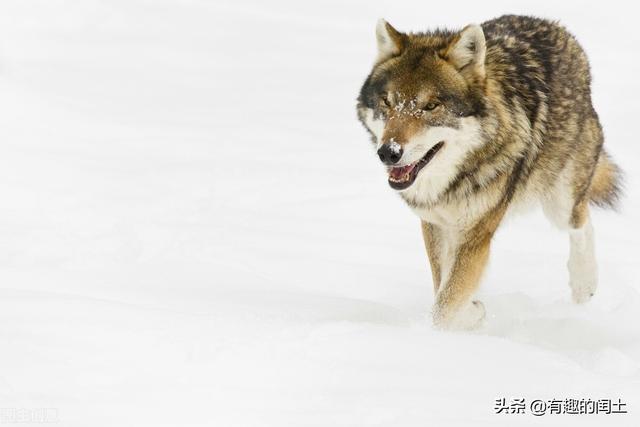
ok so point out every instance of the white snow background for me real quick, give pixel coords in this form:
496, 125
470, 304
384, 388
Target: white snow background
195, 230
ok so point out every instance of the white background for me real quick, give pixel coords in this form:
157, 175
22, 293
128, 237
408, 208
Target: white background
195, 230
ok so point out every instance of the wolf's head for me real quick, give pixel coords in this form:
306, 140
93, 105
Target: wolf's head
422, 103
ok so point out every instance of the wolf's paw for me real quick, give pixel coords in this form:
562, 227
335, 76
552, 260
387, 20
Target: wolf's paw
582, 291
583, 278
467, 318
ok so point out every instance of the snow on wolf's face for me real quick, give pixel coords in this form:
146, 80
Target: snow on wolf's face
420, 109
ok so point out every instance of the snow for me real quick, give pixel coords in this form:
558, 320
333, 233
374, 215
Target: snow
195, 229
394, 146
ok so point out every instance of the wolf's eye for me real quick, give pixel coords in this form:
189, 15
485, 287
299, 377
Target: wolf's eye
430, 106
385, 100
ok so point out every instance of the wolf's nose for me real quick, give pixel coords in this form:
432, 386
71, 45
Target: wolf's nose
390, 153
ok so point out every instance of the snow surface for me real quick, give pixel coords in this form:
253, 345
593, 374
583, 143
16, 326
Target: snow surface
195, 229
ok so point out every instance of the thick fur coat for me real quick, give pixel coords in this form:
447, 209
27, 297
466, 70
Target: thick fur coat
472, 124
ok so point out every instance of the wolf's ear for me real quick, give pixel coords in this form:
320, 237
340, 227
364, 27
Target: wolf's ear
468, 50
390, 41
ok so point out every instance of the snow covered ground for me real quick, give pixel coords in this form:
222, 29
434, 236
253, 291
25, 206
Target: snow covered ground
194, 229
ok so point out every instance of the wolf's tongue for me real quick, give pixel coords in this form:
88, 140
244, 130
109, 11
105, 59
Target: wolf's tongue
397, 173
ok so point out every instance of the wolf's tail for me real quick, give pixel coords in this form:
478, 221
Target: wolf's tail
606, 184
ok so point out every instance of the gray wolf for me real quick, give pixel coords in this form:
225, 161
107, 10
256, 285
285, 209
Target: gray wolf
474, 124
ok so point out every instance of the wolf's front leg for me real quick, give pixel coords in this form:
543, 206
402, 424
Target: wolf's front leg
434, 245
454, 308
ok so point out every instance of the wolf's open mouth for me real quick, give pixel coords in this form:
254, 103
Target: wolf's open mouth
402, 177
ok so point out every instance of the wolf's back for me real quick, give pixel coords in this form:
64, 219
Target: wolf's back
543, 73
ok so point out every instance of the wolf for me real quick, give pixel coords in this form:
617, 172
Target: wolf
474, 124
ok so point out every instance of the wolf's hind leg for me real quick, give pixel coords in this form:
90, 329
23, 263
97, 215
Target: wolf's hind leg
583, 270
574, 217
